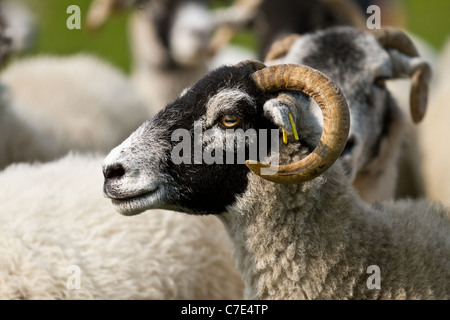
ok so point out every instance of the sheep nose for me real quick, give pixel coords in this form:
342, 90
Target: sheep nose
351, 143
114, 171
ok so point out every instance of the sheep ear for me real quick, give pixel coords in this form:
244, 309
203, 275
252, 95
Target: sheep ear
283, 112
419, 71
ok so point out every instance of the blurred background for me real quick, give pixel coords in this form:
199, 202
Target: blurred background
427, 19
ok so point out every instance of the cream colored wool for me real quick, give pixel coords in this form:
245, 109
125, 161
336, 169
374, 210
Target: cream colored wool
50, 105
53, 217
433, 133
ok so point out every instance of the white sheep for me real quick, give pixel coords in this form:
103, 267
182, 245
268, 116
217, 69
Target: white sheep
20, 25
61, 239
360, 65
432, 147
301, 232
53, 104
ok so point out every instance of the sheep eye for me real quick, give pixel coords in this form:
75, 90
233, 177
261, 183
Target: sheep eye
230, 121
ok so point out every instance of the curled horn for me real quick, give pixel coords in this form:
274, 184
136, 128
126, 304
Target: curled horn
336, 119
280, 47
391, 38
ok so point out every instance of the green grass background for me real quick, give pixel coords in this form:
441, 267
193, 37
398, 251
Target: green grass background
429, 19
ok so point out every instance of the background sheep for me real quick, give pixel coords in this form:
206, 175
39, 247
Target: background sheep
276, 19
361, 68
53, 219
20, 25
50, 105
306, 236
172, 45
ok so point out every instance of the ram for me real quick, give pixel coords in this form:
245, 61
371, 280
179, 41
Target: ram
361, 67
60, 239
301, 232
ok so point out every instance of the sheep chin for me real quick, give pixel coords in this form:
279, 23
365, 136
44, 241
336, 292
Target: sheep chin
137, 204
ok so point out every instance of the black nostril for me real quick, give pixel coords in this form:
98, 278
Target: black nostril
351, 142
114, 171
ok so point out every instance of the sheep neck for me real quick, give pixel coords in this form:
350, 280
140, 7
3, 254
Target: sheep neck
285, 244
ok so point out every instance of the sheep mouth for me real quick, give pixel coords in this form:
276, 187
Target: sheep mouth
132, 198
132, 205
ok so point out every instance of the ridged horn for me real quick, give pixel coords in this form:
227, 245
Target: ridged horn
336, 120
391, 38
280, 47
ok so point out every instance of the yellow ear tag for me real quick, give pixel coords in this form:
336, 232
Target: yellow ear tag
284, 137
294, 129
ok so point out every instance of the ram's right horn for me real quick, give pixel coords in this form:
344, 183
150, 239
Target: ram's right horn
336, 119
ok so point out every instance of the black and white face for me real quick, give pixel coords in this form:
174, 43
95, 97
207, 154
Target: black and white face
150, 170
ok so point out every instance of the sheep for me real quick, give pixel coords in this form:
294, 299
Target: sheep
53, 104
171, 44
275, 19
299, 230
157, 50
20, 26
60, 239
379, 126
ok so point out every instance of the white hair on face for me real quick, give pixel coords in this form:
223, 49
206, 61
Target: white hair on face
134, 181
190, 33
223, 101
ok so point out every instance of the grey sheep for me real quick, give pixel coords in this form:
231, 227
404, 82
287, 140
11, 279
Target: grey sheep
361, 64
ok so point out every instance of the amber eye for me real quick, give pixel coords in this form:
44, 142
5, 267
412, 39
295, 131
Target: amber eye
230, 121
